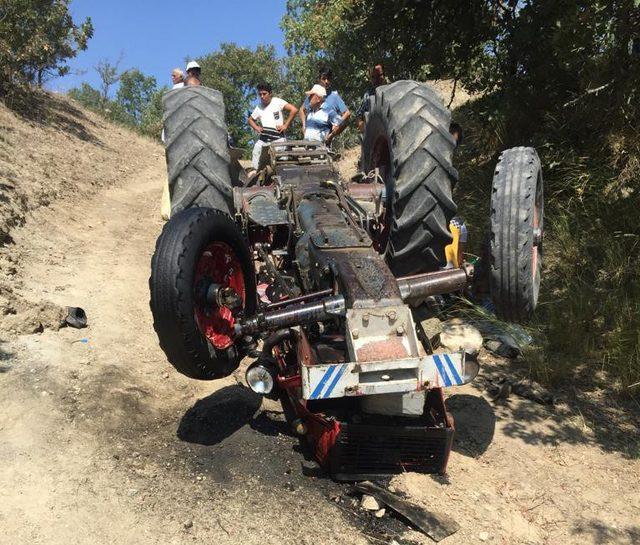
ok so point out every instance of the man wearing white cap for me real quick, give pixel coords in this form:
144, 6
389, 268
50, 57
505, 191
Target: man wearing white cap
320, 124
193, 73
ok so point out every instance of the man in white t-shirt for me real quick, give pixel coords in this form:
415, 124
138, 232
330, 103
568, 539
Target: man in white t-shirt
272, 126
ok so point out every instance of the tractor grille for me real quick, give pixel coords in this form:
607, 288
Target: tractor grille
369, 452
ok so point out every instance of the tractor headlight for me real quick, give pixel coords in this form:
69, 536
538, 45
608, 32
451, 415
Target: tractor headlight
261, 378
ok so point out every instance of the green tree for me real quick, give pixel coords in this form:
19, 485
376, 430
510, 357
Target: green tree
542, 53
135, 93
87, 96
151, 119
137, 104
418, 40
36, 39
93, 99
109, 73
235, 71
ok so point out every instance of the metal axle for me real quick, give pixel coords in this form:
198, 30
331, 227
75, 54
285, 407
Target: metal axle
412, 289
415, 288
295, 314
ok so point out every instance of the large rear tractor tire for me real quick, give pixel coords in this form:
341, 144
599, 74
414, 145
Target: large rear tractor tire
517, 226
407, 138
199, 247
196, 140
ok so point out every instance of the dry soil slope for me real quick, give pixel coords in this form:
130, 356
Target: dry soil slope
101, 441
54, 151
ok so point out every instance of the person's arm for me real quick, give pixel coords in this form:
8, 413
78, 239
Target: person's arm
254, 125
292, 110
344, 119
336, 127
345, 114
302, 114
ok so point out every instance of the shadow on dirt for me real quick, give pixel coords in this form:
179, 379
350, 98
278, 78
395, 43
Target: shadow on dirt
602, 534
475, 424
582, 415
53, 111
218, 416
228, 433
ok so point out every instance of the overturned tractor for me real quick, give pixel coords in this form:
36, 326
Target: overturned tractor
316, 279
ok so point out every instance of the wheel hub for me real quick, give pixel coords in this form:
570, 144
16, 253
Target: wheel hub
220, 291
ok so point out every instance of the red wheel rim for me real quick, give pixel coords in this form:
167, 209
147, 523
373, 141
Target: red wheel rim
218, 264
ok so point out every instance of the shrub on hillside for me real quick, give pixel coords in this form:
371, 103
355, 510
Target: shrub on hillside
588, 316
137, 104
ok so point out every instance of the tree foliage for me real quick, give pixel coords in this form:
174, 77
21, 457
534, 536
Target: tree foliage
135, 93
543, 53
109, 74
88, 96
416, 40
137, 102
235, 71
151, 118
36, 38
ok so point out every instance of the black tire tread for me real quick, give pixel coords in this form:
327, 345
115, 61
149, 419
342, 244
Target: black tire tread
417, 123
515, 180
198, 161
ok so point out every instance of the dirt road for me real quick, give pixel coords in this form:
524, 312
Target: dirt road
102, 442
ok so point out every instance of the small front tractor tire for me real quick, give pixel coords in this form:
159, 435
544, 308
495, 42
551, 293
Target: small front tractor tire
517, 226
200, 246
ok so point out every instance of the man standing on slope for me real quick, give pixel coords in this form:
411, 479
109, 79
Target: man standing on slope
377, 79
193, 74
332, 103
272, 126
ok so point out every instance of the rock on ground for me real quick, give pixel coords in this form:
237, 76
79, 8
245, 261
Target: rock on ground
459, 335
